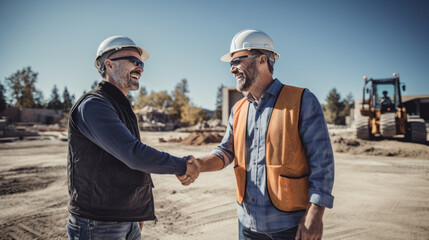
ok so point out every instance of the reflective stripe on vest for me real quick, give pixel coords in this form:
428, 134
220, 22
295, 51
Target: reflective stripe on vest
286, 163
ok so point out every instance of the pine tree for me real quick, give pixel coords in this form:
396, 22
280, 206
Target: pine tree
55, 102
3, 104
39, 101
218, 111
67, 100
334, 108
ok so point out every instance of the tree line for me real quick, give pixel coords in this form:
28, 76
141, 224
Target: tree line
177, 103
23, 93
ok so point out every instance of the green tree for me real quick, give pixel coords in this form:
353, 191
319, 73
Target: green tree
141, 99
23, 87
334, 109
348, 105
39, 100
55, 102
160, 100
218, 111
68, 100
192, 115
180, 100
3, 104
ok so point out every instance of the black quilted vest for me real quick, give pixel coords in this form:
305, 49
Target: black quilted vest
101, 187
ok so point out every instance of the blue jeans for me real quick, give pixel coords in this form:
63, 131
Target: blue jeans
82, 228
247, 234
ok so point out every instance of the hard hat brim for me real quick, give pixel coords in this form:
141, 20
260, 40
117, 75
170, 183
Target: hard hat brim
226, 58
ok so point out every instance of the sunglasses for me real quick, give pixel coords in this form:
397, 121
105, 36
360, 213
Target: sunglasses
234, 62
132, 59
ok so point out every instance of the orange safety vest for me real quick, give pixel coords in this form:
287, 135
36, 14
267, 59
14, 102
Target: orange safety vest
286, 163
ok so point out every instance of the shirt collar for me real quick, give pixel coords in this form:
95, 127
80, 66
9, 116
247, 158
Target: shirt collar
272, 90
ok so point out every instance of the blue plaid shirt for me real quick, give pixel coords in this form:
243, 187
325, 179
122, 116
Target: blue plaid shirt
257, 212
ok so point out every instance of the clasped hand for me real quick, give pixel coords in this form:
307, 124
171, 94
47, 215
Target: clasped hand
192, 171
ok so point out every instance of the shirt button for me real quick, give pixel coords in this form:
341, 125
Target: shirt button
253, 199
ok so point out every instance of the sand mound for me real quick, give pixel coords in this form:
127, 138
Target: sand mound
344, 143
200, 138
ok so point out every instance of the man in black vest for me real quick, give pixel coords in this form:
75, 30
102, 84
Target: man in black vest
108, 167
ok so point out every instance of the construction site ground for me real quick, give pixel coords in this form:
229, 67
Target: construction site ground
381, 191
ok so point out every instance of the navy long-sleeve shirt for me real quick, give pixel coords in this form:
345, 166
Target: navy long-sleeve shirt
97, 120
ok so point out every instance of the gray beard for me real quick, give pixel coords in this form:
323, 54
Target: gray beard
249, 79
120, 79
248, 82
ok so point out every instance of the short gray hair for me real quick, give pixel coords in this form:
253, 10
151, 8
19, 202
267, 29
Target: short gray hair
270, 56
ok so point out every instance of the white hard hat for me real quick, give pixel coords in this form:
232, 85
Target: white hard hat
115, 43
250, 39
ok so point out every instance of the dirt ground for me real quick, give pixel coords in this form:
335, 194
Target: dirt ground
381, 192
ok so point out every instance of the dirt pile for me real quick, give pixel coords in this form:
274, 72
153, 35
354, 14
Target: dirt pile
346, 143
214, 125
342, 142
200, 138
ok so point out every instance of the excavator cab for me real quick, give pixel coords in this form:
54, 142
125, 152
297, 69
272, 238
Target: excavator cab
385, 102
382, 95
383, 114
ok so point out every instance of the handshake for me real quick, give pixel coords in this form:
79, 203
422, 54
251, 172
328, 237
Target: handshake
192, 171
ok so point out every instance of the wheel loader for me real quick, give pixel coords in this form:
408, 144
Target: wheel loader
382, 113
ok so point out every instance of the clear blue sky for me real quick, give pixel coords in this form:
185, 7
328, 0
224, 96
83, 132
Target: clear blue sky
322, 44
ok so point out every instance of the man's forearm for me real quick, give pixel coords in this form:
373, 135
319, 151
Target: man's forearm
311, 224
210, 163
316, 211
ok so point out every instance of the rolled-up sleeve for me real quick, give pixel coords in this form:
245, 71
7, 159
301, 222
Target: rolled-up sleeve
98, 121
315, 138
225, 150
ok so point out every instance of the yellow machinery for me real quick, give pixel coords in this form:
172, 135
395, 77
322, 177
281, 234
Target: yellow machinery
383, 114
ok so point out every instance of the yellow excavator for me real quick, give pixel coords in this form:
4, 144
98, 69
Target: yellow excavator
382, 113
